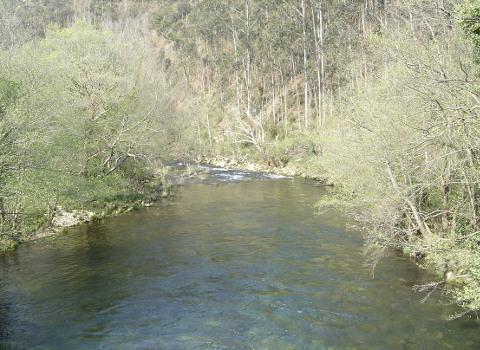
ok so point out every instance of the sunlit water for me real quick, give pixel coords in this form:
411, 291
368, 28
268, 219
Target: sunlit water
234, 262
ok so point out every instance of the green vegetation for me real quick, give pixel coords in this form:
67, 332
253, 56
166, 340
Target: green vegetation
469, 13
379, 97
83, 122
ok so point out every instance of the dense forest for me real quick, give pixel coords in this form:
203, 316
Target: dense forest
380, 98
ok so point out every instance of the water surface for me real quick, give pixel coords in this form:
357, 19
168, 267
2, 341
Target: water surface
233, 262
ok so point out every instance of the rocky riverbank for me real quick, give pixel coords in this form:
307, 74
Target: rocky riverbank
291, 170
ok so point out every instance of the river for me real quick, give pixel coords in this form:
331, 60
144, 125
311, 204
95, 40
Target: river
234, 261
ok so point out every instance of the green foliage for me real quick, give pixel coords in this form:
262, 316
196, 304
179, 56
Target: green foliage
9, 93
403, 151
469, 20
82, 117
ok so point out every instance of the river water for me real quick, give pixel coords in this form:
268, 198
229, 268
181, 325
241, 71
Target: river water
234, 261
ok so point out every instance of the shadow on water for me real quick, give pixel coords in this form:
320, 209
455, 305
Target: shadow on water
245, 264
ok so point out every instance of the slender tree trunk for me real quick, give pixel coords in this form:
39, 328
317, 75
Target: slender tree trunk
209, 131
274, 101
305, 66
317, 96
446, 194
422, 226
237, 79
297, 95
322, 67
285, 101
248, 73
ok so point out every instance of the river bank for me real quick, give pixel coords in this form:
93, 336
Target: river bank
64, 219
91, 200
61, 220
289, 170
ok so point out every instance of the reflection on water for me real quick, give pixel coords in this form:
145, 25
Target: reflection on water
245, 265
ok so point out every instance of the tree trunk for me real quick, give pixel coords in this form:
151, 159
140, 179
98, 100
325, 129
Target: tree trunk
305, 67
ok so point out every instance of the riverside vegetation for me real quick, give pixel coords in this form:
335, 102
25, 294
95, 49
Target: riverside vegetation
379, 97
82, 114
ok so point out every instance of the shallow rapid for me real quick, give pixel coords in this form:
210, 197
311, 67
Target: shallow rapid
237, 261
